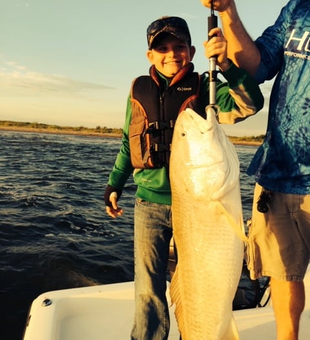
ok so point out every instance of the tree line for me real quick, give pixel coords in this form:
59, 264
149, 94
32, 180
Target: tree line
103, 130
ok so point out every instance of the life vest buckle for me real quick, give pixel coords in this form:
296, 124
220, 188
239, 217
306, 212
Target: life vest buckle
160, 125
159, 147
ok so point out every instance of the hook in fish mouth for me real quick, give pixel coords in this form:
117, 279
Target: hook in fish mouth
216, 108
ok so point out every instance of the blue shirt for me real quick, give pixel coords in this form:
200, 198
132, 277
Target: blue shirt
282, 162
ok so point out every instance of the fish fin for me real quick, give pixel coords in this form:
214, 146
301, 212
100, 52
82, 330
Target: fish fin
232, 331
174, 288
176, 300
233, 223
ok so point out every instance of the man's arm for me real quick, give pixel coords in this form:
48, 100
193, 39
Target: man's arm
241, 48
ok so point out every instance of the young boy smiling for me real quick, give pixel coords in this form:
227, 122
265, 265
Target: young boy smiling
152, 109
169, 54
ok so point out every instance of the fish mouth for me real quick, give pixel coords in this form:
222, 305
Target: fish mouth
201, 124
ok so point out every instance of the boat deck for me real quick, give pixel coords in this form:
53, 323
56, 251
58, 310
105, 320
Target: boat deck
106, 312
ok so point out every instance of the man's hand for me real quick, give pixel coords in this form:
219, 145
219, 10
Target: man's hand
218, 5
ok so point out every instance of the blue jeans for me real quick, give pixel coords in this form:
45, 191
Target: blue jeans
153, 231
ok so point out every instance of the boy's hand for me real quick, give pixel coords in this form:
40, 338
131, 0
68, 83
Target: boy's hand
217, 46
111, 196
114, 210
218, 5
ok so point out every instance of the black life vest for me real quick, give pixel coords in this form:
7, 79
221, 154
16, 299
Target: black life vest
154, 112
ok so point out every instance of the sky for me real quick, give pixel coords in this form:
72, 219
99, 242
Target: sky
71, 62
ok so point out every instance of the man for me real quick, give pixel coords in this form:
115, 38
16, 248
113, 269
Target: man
279, 239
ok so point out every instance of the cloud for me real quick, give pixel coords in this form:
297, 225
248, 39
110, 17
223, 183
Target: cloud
17, 80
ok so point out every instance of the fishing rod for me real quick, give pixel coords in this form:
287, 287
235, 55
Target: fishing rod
212, 23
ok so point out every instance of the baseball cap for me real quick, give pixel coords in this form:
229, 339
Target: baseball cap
172, 25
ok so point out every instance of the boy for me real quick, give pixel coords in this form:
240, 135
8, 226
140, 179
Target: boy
153, 107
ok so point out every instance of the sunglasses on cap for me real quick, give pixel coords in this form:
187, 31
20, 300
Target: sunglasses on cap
173, 25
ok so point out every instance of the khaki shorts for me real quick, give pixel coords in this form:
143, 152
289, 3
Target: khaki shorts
279, 240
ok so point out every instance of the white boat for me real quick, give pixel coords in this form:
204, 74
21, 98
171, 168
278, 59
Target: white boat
106, 312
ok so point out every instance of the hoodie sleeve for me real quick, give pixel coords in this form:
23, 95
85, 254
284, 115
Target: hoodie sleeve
122, 168
242, 99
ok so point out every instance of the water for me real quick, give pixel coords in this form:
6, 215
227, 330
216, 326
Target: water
54, 232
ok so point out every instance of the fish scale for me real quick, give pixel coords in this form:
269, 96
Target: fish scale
207, 224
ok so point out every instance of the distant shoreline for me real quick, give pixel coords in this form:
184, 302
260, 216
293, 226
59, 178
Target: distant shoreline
95, 134
60, 132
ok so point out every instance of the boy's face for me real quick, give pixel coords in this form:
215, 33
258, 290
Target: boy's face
170, 54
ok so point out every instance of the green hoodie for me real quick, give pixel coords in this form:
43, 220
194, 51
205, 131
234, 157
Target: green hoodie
238, 98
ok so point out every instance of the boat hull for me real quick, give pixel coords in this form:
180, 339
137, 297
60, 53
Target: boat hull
106, 312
